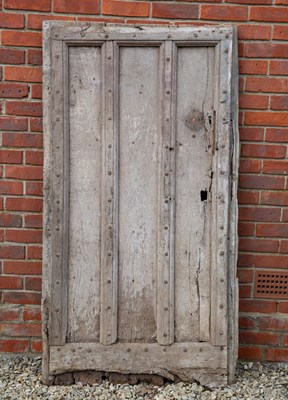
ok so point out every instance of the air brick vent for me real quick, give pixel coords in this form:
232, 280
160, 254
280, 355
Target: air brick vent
271, 284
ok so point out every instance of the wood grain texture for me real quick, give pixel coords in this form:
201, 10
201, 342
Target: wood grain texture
180, 359
160, 184
138, 160
194, 183
84, 193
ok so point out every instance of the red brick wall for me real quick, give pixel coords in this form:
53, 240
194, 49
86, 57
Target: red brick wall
263, 196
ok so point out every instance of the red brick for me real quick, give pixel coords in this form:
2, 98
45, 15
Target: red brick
279, 67
34, 188
39, 5
258, 338
279, 103
258, 245
266, 50
253, 32
267, 84
10, 220
23, 74
285, 340
258, 306
24, 172
36, 346
12, 56
125, 8
259, 214
11, 157
224, 13
7, 187
245, 260
173, 11
9, 20
20, 329
273, 324
270, 261
35, 57
24, 204
245, 197
275, 167
34, 157
247, 322
24, 108
245, 291
14, 90
263, 151
248, 166
251, 134
34, 252
35, 20
272, 230
14, 38
284, 243
24, 236
276, 135
9, 314
245, 275
274, 198
13, 124
283, 307
33, 221
249, 1
285, 215
14, 346
36, 124
261, 182
16, 252
22, 267
266, 118
278, 355
36, 91
33, 283
249, 353
76, 6
246, 228
22, 140
267, 14
11, 282
280, 32
32, 314
253, 67
253, 101
22, 298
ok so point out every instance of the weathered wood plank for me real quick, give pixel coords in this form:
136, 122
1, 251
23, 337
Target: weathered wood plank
109, 245
97, 31
138, 162
194, 140
166, 206
59, 173
137, 357
84, 193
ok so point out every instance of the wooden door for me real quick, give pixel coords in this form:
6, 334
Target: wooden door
140, 246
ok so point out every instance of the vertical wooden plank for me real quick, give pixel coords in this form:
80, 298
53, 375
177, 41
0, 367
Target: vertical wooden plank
219, 271
109, 229
194, 148
84, 193
165, 284
58, 324
138, 199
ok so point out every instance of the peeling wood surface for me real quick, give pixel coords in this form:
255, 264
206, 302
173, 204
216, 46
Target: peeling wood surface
140, 243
